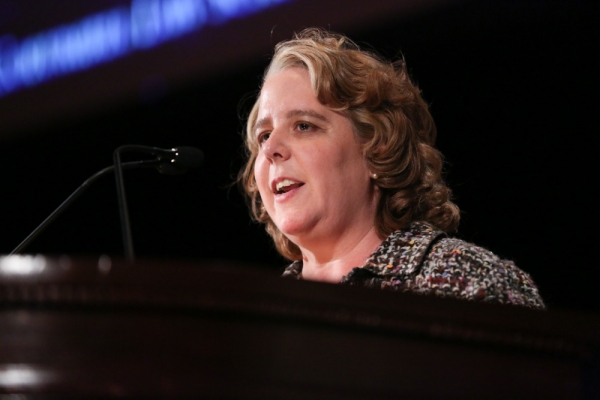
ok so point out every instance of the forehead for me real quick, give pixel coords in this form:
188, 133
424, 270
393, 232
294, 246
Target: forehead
285, 90
287, 82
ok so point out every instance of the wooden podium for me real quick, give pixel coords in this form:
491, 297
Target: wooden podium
212, 330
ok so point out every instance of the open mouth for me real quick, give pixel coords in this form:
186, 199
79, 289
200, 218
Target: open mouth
286, 185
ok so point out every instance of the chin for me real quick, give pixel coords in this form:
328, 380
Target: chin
292, 227
291, 231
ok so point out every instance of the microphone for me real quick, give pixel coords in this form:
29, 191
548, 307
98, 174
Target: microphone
171, 162
179, 160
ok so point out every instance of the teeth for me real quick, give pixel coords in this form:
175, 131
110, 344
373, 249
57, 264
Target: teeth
284, 183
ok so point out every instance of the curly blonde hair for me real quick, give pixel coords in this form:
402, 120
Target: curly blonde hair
389, 117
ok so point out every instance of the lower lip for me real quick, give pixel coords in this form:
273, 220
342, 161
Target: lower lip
287, 195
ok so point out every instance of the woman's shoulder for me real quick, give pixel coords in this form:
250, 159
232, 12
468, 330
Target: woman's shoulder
423, 259
455, 268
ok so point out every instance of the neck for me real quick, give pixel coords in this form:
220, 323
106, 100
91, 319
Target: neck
331, 262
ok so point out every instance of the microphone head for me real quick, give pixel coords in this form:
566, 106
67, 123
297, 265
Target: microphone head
182, 159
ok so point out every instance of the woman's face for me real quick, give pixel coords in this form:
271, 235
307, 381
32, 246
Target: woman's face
310, 171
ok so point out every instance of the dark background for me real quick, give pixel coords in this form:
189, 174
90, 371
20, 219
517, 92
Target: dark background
513, 87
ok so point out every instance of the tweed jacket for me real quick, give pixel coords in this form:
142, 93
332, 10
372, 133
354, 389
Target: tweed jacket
422, 259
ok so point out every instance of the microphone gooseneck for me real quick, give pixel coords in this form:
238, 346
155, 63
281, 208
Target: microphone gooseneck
75, 195
171, 161
167, 161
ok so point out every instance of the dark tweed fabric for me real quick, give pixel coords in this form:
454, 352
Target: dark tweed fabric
422, 259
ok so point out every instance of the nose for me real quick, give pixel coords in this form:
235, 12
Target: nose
276, 147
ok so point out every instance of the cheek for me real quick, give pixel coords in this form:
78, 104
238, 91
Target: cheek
261, 175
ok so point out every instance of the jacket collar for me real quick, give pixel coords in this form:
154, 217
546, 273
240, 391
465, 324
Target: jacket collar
403, 251
400, 254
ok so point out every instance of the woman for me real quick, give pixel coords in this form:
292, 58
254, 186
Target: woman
342, 168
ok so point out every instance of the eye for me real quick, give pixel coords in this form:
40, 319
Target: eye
303, 126
263, 137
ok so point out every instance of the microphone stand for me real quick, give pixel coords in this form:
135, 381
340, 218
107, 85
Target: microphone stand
168, 161
76, 194
124, 214
123, 211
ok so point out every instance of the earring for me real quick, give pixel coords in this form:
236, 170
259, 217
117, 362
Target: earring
374, 175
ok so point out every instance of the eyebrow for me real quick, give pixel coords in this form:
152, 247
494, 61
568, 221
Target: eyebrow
293, 113
309, 113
